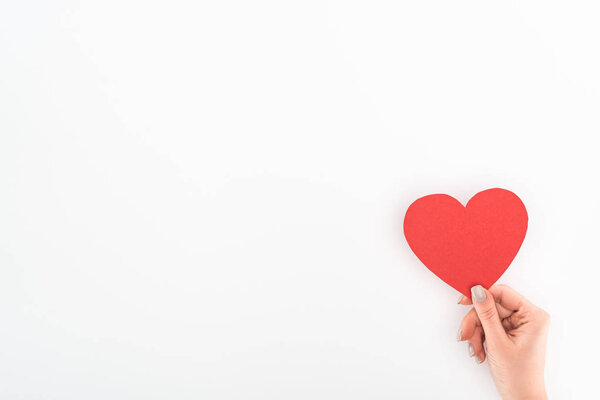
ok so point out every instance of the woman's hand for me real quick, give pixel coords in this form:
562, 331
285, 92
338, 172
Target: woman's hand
515, 334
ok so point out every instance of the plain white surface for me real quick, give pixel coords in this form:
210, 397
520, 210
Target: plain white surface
204, 200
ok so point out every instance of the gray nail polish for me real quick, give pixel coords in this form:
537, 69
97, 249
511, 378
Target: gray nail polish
471, 350
459, 335
459, 299
478, 294
478, 360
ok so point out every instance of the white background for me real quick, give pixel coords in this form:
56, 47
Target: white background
204, 199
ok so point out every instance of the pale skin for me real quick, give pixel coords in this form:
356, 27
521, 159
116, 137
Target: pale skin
515, 334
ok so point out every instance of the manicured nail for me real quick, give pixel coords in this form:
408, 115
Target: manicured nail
459, 335
478, 294
460, 299
471, 350
478, 360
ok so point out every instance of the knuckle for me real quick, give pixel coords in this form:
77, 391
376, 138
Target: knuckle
520, 304
539, 316
544, 317
487, 314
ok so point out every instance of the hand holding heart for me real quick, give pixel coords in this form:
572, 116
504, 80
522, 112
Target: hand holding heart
515, 333
469, 248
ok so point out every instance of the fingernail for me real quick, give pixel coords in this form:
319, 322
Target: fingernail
478, 360
478, 294
459, 299
459, 335
471, 350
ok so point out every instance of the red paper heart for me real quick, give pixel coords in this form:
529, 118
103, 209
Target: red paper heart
471, 245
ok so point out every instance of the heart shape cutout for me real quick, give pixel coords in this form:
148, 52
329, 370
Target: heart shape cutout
467, 245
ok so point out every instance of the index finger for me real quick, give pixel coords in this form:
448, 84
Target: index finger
508, 297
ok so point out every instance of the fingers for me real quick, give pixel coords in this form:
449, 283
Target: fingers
485, 306
464, 300
503, 311
519, 311
468, 325
508, 298
475, 345
471, 321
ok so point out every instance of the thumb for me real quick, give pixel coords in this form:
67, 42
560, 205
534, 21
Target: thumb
485, 306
